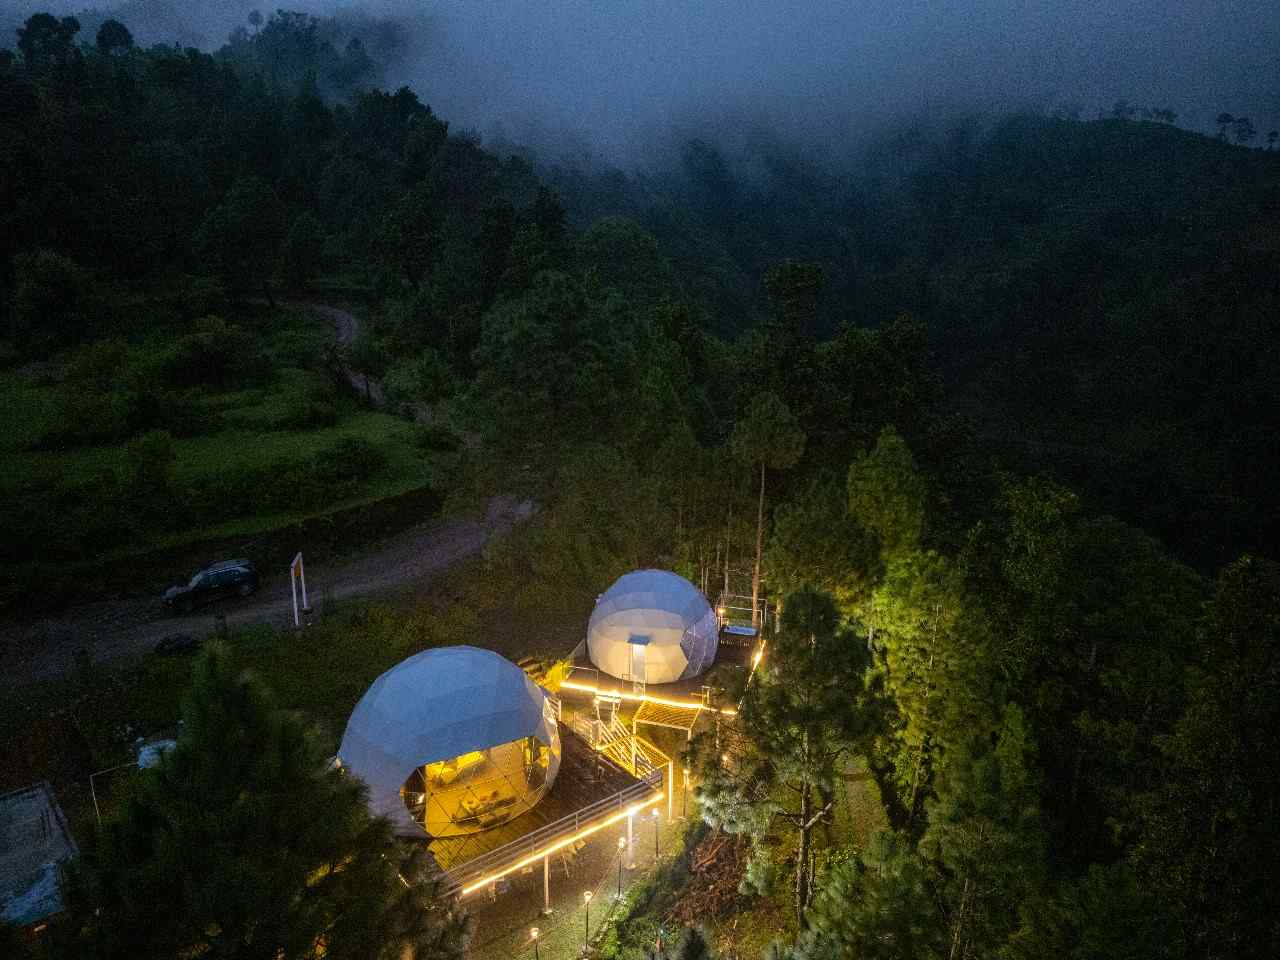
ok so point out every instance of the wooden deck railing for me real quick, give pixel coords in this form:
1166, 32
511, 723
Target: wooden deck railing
547, 836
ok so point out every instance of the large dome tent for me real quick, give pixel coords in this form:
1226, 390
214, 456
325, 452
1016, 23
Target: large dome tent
652, 626
452, 741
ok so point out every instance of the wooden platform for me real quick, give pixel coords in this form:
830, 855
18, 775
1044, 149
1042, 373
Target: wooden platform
659, 715
585, 777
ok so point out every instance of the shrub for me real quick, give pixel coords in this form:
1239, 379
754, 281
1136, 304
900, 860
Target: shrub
422, 379
214, 353
435, 438
52, 297
350, 460
316, 406
283, 485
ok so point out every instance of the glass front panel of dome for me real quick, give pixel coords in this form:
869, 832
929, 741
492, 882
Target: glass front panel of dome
480, 789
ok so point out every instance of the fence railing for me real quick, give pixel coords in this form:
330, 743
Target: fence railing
546, 836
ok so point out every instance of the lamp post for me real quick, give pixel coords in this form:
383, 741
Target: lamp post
534, 934
654, 813
622, 845
586, 912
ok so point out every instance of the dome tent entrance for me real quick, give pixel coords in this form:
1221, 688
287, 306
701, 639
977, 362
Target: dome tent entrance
652, 626
452, 741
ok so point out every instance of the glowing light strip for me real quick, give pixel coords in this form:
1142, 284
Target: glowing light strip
560, 844
623, 695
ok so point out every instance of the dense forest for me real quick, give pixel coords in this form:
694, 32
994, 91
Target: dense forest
999, 402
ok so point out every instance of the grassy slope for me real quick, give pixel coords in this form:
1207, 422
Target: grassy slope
253, 435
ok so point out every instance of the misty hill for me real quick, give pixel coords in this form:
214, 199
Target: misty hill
1111, 291
1100, 296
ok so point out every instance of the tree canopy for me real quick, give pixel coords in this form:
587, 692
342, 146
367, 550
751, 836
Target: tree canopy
243, 842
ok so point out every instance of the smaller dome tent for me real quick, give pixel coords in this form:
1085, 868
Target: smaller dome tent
664, 614
452, 741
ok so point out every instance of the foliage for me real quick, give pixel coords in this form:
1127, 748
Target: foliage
240, 236
887, 493
1084, 751
985, 837
113, 36
803, 713
930, 637
1203, 845
767, 434
241, 840
558, 361
879, 905
1103, 914
51, 296
815, 540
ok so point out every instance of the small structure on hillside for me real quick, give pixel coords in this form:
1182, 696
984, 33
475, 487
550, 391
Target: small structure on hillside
35, 844
452, 741
652, 626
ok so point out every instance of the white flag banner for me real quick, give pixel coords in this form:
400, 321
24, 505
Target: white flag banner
298, 573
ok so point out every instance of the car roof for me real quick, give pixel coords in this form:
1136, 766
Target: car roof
225, 564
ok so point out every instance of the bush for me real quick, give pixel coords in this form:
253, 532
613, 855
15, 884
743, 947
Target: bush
214, 353
350, 461
307, 413
316, 406
283, 485
80, 418
113, 392
422, 379
52, 298
434, 438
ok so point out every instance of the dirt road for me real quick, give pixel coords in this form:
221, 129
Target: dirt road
347, 328
47, 649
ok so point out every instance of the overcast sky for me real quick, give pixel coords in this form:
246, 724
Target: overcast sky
617, 70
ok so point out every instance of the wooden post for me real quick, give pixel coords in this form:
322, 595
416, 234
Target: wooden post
671, 789
631, 846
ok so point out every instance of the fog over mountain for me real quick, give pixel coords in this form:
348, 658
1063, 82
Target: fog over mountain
615, 73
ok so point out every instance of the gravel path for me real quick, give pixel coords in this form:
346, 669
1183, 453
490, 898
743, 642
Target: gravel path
46, 649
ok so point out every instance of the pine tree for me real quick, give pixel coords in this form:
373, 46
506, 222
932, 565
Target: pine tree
887, 494
768, 436
875, 907
802, 718
1105, 913
243, 843
984, 837
934, 654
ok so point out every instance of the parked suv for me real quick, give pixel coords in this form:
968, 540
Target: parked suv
214, 582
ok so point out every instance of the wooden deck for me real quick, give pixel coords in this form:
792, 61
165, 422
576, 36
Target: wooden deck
690, 688
585, 777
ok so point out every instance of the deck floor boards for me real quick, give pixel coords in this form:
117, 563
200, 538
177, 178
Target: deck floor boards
585, 777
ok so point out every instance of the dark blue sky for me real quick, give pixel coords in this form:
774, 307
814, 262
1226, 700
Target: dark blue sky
618, 70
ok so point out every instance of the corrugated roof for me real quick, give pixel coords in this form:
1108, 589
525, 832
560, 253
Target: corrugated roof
34, 844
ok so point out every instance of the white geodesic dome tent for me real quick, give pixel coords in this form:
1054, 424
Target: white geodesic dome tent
452, 741
664, 614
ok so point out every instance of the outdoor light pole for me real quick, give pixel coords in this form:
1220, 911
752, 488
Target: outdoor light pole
622, 845
586, 911
655, 834
534, 934
684, 795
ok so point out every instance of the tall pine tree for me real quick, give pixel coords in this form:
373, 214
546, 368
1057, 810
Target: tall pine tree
243, 843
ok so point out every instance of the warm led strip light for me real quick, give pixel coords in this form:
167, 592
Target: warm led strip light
535, 857
623, 695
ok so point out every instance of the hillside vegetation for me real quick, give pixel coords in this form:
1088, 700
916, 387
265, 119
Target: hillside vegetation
988, 413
